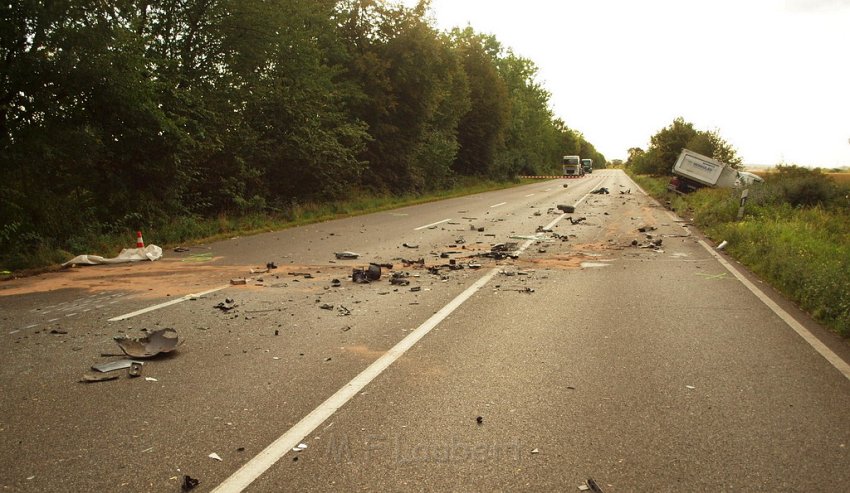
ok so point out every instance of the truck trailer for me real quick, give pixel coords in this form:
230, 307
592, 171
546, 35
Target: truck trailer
693, 171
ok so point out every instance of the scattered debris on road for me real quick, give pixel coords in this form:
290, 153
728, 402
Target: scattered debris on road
601, 191
114, 365
93, 376
226, 305
189, 483
346, 255
160, 341
566, 208
215, 456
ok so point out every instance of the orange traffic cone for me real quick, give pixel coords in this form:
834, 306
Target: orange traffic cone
140, 242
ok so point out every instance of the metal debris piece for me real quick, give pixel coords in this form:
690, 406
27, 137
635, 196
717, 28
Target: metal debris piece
479, 420
160, 341
576, 221
410, 245
504, 247
644, 229
189, 483
226, 305
399, 279
239, 281
271, 266
566, 208
373, 272
58, 331
114, 365
215, 456
594, 486
346, 255
96, 376
343, 311
409, 263
601, 191
135, 369
326, 306
359, 276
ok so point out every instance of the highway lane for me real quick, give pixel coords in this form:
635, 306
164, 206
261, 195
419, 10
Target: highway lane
585, 358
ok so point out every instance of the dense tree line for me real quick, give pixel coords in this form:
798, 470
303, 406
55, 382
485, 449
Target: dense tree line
667, 143
117, 115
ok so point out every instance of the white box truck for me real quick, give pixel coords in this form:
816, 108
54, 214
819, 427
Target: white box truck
693, 171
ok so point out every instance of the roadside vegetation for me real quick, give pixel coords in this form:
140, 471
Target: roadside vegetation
795, 234
185, 230
119, 116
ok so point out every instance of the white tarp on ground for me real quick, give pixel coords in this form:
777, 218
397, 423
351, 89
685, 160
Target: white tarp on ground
150, 252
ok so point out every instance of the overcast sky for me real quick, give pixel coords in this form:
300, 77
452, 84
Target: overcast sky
772, 76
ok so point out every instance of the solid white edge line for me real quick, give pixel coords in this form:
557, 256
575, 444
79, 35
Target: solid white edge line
255, 467
163, 305
836, 361
497, 205
432, 224
786, 317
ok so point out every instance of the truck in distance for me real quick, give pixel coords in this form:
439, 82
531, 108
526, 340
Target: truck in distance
572, 166
587, 165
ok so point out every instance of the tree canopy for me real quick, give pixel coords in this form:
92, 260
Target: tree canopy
118, 115
667, 143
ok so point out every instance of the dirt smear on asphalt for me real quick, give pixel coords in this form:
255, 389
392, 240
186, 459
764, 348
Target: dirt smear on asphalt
163, 277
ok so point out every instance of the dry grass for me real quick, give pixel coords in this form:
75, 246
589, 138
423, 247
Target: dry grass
840, 178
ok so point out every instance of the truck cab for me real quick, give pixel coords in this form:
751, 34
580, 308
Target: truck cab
587, 165
572, 166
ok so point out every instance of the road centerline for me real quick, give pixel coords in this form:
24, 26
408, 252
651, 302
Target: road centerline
269, 456
275, 451
167, 303
432, 224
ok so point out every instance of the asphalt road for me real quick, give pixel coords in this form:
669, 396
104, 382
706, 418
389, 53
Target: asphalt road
587, 356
